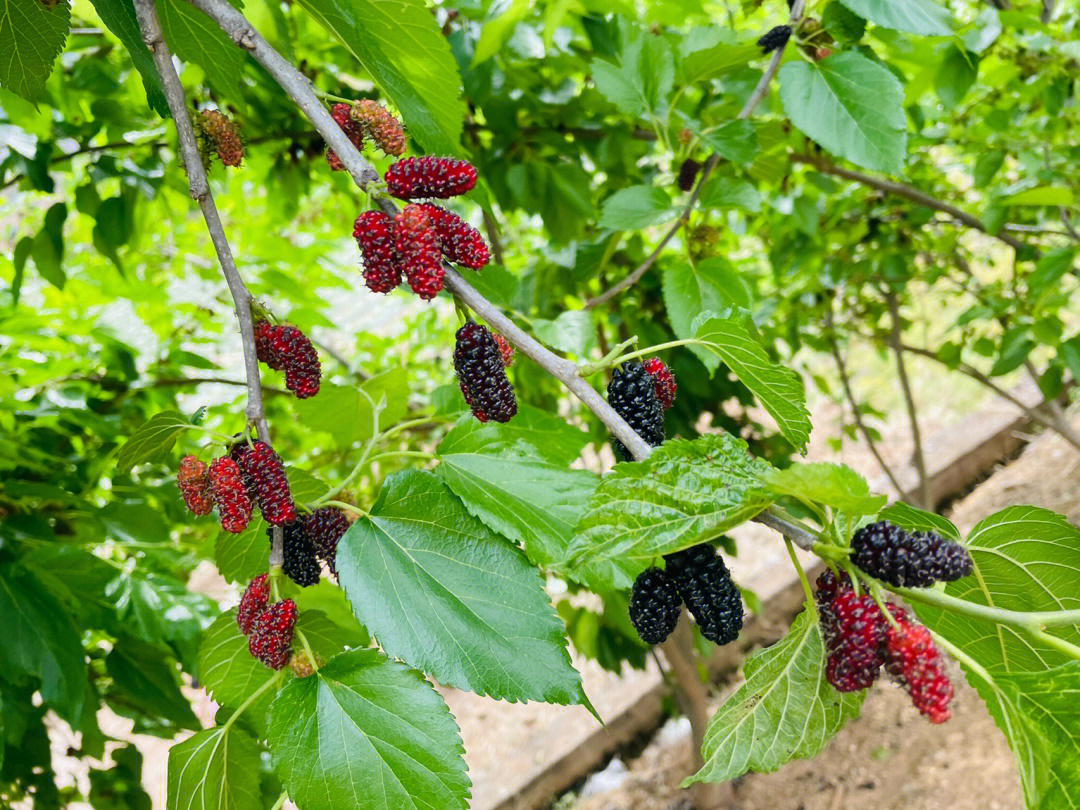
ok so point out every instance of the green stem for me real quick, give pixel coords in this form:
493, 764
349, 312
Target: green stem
331, 97
280, 801
251, 699
400, 426
1059, 644
329, 496
810, 601
659, 348
1029, 621
405, 454
348, 507
607, 361
307, 650
962, 657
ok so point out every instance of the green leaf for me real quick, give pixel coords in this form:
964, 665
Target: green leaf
689, 290
572, 331
850, 105
551, 436
215, 769
153, 441
40, 641
195, 38
346, 413
710, 52
636, 207
496, 31
732, 338
954, 77
917, 520
158, 607
31, 36
987, 164
119, 17
400, 44
1040, 195
443, 593
1049, 270
242, 557
1016, 345
47, 249
149, 679
640, 83
736, 140
842, 23
913, 16
834, 485
367, 732
683, 494
518, 493
1026, 559
786, 709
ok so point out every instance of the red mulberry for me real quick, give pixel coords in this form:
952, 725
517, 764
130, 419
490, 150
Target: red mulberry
194, 482
352, 130
905, 559
379, 125
267, 473
374, 234
704, 583
632, 393
299, 564
221, 136
230, 494
482, 375
854, 631
324, 528
440, 177
272, 632
506, 349
417, 248
460, 242
664, 380
254, 601
914, 661
655, 605
286, 347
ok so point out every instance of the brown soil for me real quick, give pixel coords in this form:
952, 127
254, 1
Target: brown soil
890, 757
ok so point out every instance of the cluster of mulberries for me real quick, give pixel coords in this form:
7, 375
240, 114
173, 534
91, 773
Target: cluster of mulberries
459, 241
417, 249
698, 577
861, 640
481, 373
269, 627
193, 478
908, 559
775, 38
264, 474
324, 528
632, 393
230, 494
378, 124
286, 348
664, 381
217, 135
342, 114
439, 177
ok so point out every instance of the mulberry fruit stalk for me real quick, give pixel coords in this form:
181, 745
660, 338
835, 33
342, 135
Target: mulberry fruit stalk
353, 131
438, 177
222, 136
632, 393
272, 633
914, 661
482, 374
908, 559
417, 248
193, 478
284, 347
664, 381
300, 564
254, 601
705, 584
263, 466
379, 125
459, 241
374, 234
230, 494
324, 528
655, 605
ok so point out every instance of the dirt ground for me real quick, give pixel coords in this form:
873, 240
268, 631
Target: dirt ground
890, 757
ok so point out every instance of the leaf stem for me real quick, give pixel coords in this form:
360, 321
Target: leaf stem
405, 454
307, 650
1029, 621
350, 507
810, 601
281, 800
251, 699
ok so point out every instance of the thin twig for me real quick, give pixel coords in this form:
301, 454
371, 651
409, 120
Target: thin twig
150, 27
1064, 213
752, 103
825, 166
896, 342
1061, 423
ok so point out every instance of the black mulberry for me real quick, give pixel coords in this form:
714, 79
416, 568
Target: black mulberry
300, 565
482, 374
324, 528
908, 560
775, 38
704, 583
632, 393
654, 605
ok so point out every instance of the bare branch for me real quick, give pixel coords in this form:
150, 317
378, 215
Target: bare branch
896, 342
150, 27
752, 103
